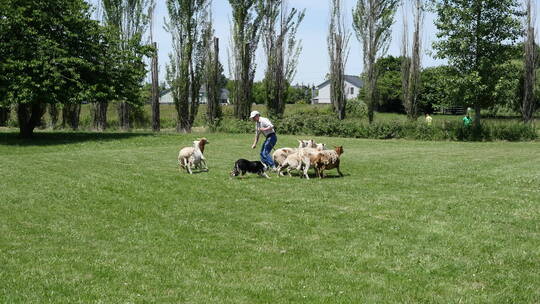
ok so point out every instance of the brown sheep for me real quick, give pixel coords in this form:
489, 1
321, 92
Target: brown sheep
327, 160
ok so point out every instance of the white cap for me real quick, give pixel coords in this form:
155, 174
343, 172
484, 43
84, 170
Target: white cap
253, 114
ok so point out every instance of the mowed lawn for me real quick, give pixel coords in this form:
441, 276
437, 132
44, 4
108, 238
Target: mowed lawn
90, 218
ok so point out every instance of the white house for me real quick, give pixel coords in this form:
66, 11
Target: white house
166, 96
353, 84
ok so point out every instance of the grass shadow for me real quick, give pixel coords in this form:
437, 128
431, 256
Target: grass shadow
314, 176
63, 138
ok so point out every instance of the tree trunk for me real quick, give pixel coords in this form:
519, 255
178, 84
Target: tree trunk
29, 117
70, 115
477, 115
212, 89
53, 114
156, 125
244, 84
4, 115
99, 119
370, 94
530, 62
123, 116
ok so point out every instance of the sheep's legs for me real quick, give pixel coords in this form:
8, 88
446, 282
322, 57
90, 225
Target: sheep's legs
320, 172
279, 173
339, 172
306, 163
203, 162
181, 164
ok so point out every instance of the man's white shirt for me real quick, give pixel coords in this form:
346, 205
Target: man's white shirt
264, 123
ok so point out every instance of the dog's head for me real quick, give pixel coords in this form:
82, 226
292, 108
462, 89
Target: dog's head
339, 150
235, 171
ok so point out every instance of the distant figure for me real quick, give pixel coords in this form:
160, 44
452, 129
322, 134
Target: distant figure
429, 119
467, 120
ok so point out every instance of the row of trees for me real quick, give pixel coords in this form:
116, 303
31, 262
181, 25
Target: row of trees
55, 56
477, 38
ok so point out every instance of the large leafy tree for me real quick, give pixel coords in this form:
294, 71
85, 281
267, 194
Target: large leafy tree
50, 52
475, 36
388, 89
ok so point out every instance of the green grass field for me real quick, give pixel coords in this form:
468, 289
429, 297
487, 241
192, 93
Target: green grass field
107, 218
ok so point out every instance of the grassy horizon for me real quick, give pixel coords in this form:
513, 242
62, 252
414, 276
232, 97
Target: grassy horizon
107, 218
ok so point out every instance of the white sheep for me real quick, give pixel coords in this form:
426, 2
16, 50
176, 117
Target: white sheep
280, 155
303, 158
193, 157
292, 162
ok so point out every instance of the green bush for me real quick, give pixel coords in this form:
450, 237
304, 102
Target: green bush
318, 123
356, 108
234, 126
513, 132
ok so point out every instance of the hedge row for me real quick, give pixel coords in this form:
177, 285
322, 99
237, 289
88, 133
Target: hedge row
328, 125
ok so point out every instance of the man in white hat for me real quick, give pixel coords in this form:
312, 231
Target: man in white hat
264, 126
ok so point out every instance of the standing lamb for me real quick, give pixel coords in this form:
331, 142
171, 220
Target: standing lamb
280, 155
302, 158
327, 160
193, 157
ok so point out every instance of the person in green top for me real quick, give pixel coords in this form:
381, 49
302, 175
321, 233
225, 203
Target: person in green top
467, 120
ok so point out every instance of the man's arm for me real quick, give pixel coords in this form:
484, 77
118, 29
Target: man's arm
256, 139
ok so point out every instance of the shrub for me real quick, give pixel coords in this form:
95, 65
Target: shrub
356, 108
513, 132
318, 123
234, 126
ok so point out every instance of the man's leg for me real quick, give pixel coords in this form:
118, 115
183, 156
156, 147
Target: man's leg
266, 149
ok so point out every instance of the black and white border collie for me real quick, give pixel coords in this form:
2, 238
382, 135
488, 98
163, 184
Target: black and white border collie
242, 166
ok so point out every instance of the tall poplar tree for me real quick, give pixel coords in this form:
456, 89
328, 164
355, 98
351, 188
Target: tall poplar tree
372, 22
280, 26
190, 27
246, 26
338, 50
129, 19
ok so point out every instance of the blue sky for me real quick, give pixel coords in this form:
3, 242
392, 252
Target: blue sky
313, 62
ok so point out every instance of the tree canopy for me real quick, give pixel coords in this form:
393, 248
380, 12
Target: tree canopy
476, 36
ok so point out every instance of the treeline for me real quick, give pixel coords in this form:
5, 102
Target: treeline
54, 56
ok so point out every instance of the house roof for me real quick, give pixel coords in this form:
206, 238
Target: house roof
354, 80
164, 92
224, 94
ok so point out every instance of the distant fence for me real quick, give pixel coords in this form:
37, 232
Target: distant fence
452, 110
